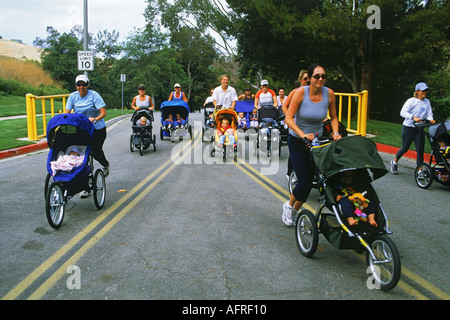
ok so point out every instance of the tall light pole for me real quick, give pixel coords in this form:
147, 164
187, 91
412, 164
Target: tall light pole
86, 34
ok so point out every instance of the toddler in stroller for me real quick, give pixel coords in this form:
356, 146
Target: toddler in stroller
142, 137
354, 206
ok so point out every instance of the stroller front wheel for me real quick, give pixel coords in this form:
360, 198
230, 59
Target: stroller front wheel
383, 263
55, 205
99, 189
423, 175
307, 233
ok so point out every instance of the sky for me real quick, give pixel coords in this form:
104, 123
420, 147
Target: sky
27, 19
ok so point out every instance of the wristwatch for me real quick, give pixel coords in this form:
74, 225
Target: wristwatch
336, 133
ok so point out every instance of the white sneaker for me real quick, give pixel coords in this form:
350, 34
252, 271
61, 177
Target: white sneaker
394, 167
287, 214
84, 194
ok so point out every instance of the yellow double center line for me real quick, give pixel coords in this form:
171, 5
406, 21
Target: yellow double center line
61, 271
283, 195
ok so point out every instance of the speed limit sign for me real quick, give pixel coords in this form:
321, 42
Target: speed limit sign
85, 61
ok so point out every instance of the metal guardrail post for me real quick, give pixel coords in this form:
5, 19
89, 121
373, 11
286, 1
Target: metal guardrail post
31, 113
31, 117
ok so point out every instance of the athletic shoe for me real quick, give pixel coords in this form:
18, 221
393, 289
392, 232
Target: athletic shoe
106, 170
287, 214
394, 167
84, 194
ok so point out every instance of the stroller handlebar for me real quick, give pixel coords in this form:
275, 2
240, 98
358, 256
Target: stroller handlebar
424, 123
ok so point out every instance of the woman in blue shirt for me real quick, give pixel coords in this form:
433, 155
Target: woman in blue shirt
91, 104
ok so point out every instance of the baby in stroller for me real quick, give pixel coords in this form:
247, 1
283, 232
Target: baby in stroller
354, 205
67, 162
225, 130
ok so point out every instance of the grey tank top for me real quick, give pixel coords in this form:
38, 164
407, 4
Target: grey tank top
309, 117
142, 104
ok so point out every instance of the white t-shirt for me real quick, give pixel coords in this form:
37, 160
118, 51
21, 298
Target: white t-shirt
224, 98
265, 99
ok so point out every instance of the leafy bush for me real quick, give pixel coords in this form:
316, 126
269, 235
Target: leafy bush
441, 108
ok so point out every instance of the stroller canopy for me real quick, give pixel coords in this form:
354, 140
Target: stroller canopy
174, 107
72, 119
141, 113
245, 106
229, 114
439, 129
349, 153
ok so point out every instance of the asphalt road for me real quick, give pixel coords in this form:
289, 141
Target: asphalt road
180, 225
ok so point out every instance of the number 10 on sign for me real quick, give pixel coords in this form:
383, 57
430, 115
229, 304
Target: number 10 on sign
85, 61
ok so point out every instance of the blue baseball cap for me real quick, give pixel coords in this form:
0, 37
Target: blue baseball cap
422, 86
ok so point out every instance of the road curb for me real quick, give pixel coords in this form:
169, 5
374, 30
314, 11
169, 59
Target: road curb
393, 150
43, 144
23, 150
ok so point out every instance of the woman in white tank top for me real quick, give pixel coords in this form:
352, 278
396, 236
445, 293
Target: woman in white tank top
142, 101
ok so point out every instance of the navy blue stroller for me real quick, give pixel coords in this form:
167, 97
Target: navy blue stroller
65, 133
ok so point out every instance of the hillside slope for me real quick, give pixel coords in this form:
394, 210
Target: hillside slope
19, 51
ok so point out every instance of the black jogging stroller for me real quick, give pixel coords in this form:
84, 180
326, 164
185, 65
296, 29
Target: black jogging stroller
360, 155
142, 136
438, 167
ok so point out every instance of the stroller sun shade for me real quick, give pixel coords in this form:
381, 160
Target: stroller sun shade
353, 152
77, 121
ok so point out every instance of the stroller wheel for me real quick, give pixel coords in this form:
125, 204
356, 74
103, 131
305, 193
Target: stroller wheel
292, 181
55, 205
423, 175
48, 181
131, 143
99, 188
383, 261
307, 233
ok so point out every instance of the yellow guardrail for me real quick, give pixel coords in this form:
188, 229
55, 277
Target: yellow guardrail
31, 113
361, 111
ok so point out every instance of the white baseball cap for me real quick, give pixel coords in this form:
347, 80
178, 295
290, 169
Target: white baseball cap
82, 77
264, 82
177, 85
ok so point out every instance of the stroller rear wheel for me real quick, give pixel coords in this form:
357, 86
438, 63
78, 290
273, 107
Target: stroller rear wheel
99, 188
55, 205
423, 175
384, 265
131, 143
307, 233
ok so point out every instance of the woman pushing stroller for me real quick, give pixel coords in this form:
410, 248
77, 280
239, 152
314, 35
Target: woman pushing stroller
308, 108
90, 103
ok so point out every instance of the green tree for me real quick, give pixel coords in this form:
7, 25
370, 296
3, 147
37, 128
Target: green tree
59, 57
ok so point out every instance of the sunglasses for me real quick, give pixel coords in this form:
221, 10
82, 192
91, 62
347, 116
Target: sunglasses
82, 84
305, 79
318, 76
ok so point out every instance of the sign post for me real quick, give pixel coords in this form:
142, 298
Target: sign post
123, 78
